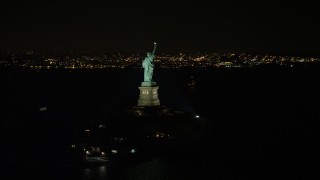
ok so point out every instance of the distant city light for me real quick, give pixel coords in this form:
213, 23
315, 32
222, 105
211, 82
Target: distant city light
197, 116
43, 109
102, 153
87, 130
114, 151
133, 151
168, 61
87, 152
102, 126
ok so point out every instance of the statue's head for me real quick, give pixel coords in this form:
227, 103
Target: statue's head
149, 54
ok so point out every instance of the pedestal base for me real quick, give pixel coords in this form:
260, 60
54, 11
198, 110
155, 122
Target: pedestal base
148, 96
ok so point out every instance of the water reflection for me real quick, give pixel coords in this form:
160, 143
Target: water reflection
95, 173
157, 168
154, 169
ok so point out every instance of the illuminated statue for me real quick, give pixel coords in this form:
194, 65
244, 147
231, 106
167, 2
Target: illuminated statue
149, 88
148, 65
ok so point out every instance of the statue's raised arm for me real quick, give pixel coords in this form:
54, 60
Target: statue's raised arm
154, 48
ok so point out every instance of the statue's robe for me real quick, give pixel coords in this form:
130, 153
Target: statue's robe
147, 64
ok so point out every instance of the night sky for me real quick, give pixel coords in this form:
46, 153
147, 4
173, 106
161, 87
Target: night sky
177, 27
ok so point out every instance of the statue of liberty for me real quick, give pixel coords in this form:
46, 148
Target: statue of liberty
148, 88
148, 65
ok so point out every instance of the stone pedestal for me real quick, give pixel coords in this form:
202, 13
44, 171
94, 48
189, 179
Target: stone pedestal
148, 94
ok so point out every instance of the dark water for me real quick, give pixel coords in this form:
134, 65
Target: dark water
263, 122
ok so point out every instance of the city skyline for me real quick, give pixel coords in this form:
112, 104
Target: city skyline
36, 60
177, 27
